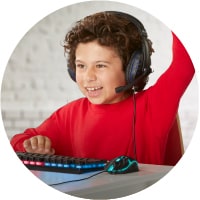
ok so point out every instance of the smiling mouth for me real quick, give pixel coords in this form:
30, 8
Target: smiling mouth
93, 88
94, 91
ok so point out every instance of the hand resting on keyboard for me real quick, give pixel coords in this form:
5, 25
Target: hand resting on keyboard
39, 144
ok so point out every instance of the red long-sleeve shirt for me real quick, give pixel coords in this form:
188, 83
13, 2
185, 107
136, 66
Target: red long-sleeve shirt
83, 129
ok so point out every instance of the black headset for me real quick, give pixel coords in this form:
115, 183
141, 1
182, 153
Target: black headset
140, 61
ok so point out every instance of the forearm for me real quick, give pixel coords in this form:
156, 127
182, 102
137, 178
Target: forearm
165, 95
18, 139
182, 61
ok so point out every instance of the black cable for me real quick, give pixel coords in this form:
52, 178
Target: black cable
134, 119
76, 179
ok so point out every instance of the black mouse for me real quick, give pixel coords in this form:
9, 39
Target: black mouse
122, 165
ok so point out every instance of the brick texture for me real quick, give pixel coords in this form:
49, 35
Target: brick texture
36, 82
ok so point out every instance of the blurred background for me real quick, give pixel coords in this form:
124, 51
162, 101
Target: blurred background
36, 82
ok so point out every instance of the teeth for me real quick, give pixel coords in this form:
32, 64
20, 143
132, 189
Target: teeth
92, 88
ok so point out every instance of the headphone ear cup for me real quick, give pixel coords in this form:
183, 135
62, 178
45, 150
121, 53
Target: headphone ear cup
134, 66
72, 74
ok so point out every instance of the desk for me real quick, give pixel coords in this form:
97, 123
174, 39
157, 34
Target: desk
104, 185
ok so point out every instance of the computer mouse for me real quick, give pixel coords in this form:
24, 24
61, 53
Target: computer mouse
122, 165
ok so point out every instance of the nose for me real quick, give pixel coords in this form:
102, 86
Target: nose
90, 74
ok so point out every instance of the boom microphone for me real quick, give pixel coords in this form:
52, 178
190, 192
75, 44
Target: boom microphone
131, 85
124, 88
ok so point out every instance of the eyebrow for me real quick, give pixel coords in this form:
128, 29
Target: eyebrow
98, 61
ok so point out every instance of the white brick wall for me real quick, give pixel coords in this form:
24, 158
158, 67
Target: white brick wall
36, 82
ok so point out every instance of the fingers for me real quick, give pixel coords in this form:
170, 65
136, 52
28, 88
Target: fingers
27, 145
39, 144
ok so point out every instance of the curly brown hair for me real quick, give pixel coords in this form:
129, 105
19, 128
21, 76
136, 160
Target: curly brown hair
108, 29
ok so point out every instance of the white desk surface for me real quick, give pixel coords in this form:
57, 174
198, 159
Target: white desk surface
104, 185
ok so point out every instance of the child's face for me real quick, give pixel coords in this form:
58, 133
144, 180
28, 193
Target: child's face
99, 72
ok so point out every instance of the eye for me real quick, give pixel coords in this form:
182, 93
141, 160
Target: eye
81, 66
100, 65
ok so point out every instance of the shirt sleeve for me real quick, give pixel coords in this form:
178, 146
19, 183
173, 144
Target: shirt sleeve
49, 128
18, 139
165, 95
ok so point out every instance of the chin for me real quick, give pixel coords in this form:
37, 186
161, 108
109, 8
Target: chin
102, 101
96, 101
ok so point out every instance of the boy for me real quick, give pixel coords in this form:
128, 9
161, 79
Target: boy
109, 58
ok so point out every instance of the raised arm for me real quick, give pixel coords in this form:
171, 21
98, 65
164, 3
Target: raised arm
165, 95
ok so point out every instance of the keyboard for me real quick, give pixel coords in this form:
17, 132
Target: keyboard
58, 163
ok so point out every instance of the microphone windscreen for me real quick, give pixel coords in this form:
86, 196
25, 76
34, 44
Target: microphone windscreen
119, 89
123, 88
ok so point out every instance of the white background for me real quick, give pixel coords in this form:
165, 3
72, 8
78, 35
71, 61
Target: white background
180, 16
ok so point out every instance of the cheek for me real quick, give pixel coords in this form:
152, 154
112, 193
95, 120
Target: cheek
117, 79
78, 78
113, 82
122, 78
79, 82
